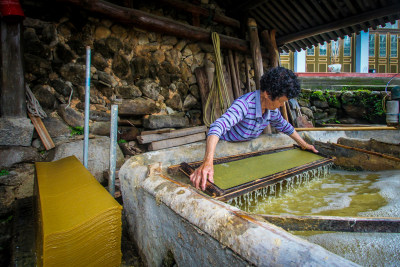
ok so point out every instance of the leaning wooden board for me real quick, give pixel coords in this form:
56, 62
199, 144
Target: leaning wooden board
42, 131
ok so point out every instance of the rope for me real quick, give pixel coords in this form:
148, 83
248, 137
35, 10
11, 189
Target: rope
70, 96
33, 105
218, 90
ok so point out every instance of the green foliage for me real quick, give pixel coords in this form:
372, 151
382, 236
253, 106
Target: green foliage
332, 100
78, 130
332, 120
4, 172
318, 95
122, 141
375, 111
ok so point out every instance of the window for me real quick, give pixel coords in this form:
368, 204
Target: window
335, 51
347, 46
372, 45
310, 51
393, 45
284, 53
322, 49
382, 45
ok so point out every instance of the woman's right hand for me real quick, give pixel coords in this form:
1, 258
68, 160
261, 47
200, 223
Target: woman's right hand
201, 174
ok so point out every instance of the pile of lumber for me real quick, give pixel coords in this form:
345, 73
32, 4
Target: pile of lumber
165, 138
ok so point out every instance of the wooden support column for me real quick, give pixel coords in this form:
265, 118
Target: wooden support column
12, 75
255, 51
273, 52
272, 49
257, 59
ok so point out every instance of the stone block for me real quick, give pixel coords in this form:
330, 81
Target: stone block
165, 121
15, 132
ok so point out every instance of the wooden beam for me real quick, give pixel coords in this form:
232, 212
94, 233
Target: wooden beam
202, 11
12, 91
372, 128
177, 141
333, 223
339, 24
148, 138
155, 23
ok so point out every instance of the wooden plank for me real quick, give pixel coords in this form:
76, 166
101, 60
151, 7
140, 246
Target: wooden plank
204, 89
135, 122
42, 131
233, 75
348, 129
228, 82
12, 91
145, 139
157, 145
333, 223
160, 131
248, 87
236, 60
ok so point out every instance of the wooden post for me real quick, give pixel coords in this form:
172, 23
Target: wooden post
255, 51
272, 48
248, 87
236, 60
233, 75
12, 75
257, 59
202, 82
228, 82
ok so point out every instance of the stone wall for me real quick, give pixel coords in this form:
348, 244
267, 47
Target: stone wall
149, 75
145, 73
347, 107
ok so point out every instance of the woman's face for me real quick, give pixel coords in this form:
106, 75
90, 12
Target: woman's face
274, 104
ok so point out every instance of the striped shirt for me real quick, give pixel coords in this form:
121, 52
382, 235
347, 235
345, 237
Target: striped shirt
244, 120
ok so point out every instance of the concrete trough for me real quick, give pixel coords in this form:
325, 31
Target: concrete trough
171, 221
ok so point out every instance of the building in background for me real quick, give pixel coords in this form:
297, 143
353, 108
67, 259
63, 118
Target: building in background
374, 51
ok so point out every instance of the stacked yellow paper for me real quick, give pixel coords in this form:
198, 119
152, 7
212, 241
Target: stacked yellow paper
79, 222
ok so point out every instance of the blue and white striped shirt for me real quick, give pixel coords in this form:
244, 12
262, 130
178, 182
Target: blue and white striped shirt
244, 120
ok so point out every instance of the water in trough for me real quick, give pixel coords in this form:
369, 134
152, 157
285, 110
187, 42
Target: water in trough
338, 193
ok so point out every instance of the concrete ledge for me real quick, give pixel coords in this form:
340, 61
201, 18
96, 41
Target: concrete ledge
166, 217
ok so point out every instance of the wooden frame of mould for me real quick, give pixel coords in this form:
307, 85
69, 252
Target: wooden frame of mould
226, 194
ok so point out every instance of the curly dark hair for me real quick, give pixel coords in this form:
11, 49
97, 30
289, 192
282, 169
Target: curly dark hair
279, 82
